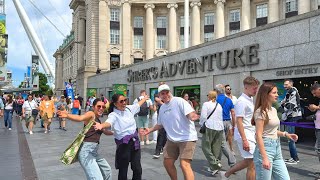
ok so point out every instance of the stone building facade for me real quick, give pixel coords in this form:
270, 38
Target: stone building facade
110, 34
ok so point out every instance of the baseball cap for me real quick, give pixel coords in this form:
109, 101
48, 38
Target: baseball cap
163, 87
76, 97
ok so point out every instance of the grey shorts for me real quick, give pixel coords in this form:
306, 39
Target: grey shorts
142, 121
227, 126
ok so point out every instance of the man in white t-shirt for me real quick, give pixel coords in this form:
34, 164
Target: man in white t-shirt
176, 116
244, 133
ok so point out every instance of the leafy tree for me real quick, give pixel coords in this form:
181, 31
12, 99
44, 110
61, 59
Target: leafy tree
43, 85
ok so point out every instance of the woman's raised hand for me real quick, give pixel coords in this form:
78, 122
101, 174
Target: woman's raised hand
62, 114
98, 126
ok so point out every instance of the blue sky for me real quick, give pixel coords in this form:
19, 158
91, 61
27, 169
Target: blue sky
19, 47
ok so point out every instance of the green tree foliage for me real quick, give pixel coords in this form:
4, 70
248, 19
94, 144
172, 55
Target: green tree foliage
43, 85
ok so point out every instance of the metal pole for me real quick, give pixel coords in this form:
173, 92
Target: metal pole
186, 23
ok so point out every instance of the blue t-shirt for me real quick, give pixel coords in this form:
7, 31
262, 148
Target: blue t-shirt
228, 105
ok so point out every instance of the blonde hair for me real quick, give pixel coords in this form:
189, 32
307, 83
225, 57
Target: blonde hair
251, 81
212, 95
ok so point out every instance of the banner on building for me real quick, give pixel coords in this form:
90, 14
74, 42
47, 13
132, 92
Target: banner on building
69, 90
91, 92
28, 77
3, 50
119, 89
35, 73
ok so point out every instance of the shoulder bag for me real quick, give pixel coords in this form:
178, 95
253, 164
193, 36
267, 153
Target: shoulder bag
34, 112
70, 155
203, 127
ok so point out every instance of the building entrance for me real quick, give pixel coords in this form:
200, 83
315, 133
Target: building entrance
303, 85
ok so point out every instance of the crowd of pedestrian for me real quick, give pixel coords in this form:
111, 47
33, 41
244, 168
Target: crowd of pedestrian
228, 122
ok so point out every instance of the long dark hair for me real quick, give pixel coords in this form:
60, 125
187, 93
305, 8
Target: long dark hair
262, 101
10, 100
114, 99
96, 101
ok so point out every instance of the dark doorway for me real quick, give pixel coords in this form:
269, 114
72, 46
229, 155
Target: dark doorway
306, 136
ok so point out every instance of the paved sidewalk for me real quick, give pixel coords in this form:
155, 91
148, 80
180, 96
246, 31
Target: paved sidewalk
45, 150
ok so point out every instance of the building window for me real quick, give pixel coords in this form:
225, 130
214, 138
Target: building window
138, 22
161, 22
137, 60
208, 18
235, 15
114, 61
234, 22
161, 32
208, 37
138, 42
114, 36
262, 15
262, 10
208, 27
291, 8
181, 41
291, 5
162, 41
114, 14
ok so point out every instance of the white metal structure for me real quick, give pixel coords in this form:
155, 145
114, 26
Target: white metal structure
34, 40
186, 23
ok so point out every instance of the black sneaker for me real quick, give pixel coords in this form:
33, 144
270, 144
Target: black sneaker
60, 127
156, 155
291, 161
64, 129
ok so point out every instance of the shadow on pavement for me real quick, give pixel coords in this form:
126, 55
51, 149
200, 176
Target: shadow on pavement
200, 166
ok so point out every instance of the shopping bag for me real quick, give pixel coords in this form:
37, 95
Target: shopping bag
70, 155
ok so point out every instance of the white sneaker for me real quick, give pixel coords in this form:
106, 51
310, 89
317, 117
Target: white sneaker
153, 142
147, 142
46, 131
223, 175
10, 129
214, 172
30, 132
142, 143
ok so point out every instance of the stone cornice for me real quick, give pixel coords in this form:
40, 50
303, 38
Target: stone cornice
149, 5
193, 4
172, 5
221, 1
75, 3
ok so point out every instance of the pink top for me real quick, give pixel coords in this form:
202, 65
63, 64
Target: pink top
317, 121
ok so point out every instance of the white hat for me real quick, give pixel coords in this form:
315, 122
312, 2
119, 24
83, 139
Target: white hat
163, 87
76, 97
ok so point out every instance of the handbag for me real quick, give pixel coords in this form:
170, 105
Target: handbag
70, 155
203, 127
34, 112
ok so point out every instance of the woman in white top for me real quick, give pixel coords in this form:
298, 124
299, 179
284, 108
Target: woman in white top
211, 117
267, 157
27, 108
121, 119
8, 111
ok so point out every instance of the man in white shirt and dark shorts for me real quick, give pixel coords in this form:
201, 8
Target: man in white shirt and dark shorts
244, 133
176, 116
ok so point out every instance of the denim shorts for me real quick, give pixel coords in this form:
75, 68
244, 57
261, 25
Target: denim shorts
278, 168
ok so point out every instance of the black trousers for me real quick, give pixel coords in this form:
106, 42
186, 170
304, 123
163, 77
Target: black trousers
126, 153
161, 140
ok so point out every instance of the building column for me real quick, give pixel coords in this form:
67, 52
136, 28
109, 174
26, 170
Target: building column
273, 11
303, 6
103, 35
126, 33
81, 42
195, 31
219, 26
172, 27
59, 70
245, 15
149, 31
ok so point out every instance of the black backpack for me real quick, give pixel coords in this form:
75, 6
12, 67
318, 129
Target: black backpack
144, 109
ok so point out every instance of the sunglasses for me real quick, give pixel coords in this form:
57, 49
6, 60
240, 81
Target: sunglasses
229, 89
122, 101
99, 107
